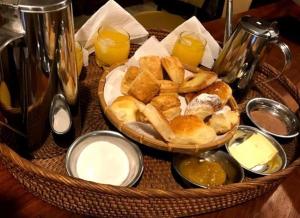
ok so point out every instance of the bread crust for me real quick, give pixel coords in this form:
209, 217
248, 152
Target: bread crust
174, 68
144, 87
201, 80
152, 64
189, 129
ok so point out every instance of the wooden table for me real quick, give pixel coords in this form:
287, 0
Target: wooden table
15, 201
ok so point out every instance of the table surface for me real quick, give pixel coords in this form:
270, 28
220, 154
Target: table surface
15, 201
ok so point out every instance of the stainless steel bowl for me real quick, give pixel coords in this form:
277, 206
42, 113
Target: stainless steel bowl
243, 133
132, 151
277, 110
234, 172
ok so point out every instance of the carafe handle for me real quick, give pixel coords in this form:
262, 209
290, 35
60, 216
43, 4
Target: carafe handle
287, 59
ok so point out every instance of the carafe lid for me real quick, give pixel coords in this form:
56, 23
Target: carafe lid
259, 27
37, 6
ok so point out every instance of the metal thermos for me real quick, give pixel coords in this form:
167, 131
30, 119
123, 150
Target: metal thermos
37, 62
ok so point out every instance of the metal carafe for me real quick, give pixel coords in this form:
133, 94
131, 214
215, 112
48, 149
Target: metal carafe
245, 49
37, 62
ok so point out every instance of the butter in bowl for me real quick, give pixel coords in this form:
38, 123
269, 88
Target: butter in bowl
105, 157
256, 151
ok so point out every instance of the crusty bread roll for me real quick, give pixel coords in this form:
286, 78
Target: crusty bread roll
174, 68
159, 122
219, 88
125, 108
224, 121
144, 87
151, 64
203, 105
189, 129
167, 104
199, 81
168, 86
128, 78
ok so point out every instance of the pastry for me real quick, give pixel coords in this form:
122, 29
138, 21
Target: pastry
159, 122
151, 64
168, 86
167, 104
199, 81
203, 105
125, 108
189, 129
129, 76
144, 87
224, 121
174, 68
219, 88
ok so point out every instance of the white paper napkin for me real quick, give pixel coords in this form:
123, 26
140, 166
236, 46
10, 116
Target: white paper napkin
194, 25
152, 47
114, 15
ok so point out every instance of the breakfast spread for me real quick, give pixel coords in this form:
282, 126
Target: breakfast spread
183, 109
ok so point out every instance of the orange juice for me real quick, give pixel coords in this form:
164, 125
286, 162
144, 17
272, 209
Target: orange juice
189, 48
111, 46
79, 57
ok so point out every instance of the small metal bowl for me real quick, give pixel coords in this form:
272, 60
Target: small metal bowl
234, 172
277, 110
132, 151
243, 133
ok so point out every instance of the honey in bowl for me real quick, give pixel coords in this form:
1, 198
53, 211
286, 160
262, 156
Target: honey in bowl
202, 172
111, 46
189, 48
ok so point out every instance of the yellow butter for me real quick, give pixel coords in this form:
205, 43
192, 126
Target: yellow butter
256, 150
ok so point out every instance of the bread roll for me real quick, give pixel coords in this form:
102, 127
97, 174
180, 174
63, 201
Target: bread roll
189, 129
199, 81
174, 68
224, 121
167, 104
168, 86
152, 65
203, 105
159, 122
128, 78
124, 108
144, 87
219, 88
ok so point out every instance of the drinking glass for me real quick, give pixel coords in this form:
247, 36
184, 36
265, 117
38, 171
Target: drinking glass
189, 48
111, 46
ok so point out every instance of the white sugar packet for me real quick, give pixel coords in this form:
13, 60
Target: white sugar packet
212, 48
114, 15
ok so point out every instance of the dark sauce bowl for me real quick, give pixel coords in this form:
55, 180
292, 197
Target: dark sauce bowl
278, 111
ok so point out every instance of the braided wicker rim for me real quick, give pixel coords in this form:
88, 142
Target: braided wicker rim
156, 143
27, 166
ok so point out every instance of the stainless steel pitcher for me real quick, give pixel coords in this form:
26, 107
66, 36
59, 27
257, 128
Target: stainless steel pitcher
37, 62
245, 49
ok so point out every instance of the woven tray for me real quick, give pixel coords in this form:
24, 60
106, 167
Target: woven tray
158, 193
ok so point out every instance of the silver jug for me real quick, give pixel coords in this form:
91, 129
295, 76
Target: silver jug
245, 49
37, 63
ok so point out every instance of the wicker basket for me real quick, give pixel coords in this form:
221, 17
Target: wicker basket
159, 143
158, 193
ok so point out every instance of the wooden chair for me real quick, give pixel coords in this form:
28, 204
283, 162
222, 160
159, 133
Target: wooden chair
159, 20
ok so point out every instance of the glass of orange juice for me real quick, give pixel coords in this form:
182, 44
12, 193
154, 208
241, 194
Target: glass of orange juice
79, 57
111, 46
189, 48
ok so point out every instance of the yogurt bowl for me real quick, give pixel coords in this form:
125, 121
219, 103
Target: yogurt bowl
105, 157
